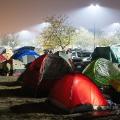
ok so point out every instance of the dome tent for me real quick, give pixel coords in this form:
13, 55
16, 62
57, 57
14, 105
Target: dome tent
43, 72
31, 76
13, 67
26, 56
102, 71
17, 67
8, 53
57, 65
24, 48
2, 58
76, 92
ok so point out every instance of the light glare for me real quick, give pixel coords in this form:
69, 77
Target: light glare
96, 6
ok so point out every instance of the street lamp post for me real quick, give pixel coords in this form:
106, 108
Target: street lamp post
94, 7
94, 31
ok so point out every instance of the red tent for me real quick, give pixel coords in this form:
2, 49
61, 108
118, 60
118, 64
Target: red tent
2, 58
42, 73
31, 76
75, 90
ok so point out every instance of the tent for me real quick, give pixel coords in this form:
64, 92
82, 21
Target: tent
24, 48
57, 65
43, 72
12, 67
31, 76
8, 53
2, 58
2, 50
16, 67
102, 72
76, 92
111, 53
26, 56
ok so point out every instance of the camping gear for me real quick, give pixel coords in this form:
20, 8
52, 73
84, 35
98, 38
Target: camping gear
102, 71
111, 53
44, 71
17, 67
24, 48
2, 58
57, 65
75, 91
2, 50
12, 67
25, 56
31, 76
8, 53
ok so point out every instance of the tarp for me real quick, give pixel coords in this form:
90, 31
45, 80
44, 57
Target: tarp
111, 53
102, 71
76, 90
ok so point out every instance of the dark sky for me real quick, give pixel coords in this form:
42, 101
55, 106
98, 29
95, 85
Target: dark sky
16, 15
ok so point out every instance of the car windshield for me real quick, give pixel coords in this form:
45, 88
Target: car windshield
84, 54
73, 54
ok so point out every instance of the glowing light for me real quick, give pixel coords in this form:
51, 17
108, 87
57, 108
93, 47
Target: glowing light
37, 29
96, 6
116, 25
24, 34
26, 37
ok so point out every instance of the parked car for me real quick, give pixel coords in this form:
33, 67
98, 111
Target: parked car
81, 59
111, 53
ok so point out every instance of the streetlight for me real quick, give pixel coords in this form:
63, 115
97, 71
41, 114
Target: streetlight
94, 8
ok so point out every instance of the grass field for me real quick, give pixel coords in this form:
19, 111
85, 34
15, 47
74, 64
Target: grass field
15, 106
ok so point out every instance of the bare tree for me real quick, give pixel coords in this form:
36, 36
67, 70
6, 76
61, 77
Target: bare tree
10, 40
116, 36
83, 39
4, 40
109, 39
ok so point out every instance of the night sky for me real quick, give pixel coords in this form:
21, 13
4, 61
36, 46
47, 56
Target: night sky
16, 15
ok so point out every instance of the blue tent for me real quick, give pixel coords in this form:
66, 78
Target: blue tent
24, 49
26, 56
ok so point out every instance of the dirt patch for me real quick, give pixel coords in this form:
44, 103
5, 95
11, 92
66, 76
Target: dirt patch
16, 106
